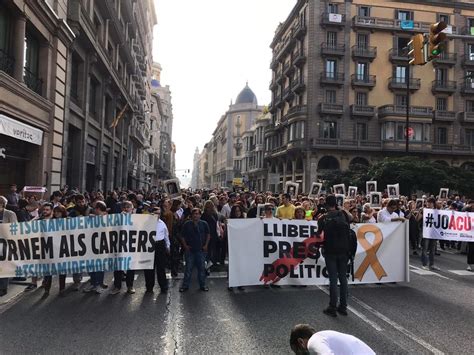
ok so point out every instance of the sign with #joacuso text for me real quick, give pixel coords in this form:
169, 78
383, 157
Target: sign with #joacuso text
448, 225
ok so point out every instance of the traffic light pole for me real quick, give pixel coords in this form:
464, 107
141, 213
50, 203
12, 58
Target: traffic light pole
408, 109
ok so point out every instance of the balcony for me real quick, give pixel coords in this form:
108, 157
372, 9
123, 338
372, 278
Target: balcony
468, 60
364, 52
296, 112
32, 81
332, 78
444, 116
300, 59
328, 19
395, 83
137, 132
332, 49
279, 77
298, 85
467, 87
443, 87
362, 111
299, 30
331, 109
279, 102
401, 111
366, 81
450, 149
273, 84
468, 31
467, 117
398, 56
274, 64
288, 69
449, 59
288, 95
347, 144
388, 24
7, 63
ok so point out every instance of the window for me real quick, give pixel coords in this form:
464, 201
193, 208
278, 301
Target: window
404, 15
402, 42
362, 40
441, 75
331, 39
400, 100
470, 22
361, 98
469, 79
469, 137
470, 51
444, 18
362, 71
332, 8
93, 98
331, 68
388, 131
441, 135
31, 69
469, 106
330, 97
75, 77
5, 30
441, 104
364, 11
361, 131
400, 74
329, 130
417, 129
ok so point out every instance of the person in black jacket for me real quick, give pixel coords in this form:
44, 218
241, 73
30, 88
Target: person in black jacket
336, 230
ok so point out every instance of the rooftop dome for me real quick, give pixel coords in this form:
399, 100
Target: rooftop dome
246, 96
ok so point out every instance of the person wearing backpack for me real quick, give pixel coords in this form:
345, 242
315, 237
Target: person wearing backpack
336, 250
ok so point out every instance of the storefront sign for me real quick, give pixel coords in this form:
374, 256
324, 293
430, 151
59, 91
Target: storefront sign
19, 130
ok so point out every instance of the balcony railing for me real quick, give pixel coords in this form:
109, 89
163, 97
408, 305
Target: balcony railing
362, 111
450, 148
398, 110
7, 62
298, 85
366, 52
333, 19
363, 80
400, 83
398, 55
468, 60
467, 87
444, 116
467, 117
32, 81
446, 59
299, 59
443, 86
332, 49
288, 69
388, 24
299, 30
351, 144
296, 111
332, 78
331, 109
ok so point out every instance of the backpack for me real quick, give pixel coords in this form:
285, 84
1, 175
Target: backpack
337, 234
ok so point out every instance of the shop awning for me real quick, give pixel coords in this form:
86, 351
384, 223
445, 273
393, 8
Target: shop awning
16, 129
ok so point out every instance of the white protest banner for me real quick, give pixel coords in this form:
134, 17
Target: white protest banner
75, 245
287, 252
448, 225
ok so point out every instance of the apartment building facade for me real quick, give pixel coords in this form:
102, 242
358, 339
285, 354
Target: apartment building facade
109, 100
339, 88
35, 44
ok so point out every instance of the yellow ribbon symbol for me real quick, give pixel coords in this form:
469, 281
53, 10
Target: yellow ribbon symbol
371, 250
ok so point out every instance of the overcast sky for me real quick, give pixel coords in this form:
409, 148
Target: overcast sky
208, 50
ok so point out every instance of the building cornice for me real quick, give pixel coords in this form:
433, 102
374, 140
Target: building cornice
283, 26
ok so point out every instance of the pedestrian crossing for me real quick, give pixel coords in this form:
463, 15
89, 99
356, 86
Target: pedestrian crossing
423, 272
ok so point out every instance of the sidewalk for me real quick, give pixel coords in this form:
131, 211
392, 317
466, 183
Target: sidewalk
15, 292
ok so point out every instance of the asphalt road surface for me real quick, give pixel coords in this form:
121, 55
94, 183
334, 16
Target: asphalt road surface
434, 313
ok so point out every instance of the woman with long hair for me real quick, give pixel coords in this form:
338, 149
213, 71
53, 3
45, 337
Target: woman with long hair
210, 216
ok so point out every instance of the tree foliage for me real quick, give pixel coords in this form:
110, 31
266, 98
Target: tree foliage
412, 173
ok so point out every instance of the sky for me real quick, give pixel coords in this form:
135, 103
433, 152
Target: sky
208, 50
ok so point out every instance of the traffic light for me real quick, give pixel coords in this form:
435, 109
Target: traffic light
415, 50
436, 39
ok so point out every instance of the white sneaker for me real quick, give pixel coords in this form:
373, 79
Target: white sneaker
424, 267
433, 267
469, 268
115, 291
98, 290
88, 289
131, 290
209, 265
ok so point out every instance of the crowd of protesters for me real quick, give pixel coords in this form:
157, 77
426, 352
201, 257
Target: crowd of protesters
192, 226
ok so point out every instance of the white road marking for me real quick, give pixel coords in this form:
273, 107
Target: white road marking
462, 272
420, 271
357, 313
397, 326
70, 280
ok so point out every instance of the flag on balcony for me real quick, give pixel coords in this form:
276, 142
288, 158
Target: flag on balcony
117, 119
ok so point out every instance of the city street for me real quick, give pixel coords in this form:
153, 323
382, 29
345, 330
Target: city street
431, 314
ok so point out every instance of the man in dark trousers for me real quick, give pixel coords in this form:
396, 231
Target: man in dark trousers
162, 250
336, 230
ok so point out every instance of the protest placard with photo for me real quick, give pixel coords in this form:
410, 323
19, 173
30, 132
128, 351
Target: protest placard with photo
443, 193
352, 191
292, 188
172, 188
375, 199
393, 190
420, 202
340, 199
339, 189
315, 189
370, 186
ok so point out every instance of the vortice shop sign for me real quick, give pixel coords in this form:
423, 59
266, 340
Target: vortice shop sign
19, 130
